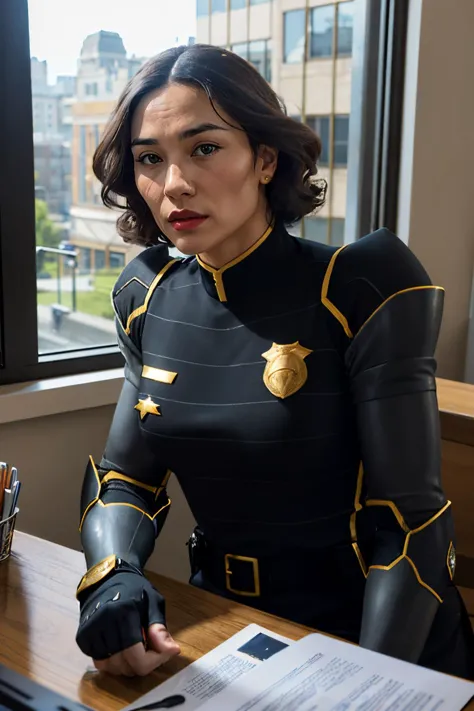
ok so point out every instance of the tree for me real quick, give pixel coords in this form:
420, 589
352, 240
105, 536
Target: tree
47, 233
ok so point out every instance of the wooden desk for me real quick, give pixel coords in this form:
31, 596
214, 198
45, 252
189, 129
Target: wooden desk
456, 407
39, 615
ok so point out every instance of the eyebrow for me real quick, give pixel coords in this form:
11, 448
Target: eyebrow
188, 133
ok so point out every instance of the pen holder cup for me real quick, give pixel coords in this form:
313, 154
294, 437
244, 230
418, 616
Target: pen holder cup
7, 528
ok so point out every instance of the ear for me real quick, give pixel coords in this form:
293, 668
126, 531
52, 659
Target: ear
266, 165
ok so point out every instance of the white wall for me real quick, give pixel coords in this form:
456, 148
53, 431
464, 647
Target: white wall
436, 210
51, 454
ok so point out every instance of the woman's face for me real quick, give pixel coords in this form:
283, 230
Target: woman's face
196, 173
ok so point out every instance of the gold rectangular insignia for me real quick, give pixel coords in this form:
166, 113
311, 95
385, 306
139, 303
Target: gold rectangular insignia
161, 376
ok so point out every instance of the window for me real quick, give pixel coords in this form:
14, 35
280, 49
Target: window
321, 126
322, 30
320, 229
82, 163
259, 54
63, 242
92, 89
218, 5
202, 8
258, 2
341, 140
117, 260
242, 49
294, 23
345, 22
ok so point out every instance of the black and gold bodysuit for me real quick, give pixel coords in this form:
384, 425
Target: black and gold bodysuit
292, 393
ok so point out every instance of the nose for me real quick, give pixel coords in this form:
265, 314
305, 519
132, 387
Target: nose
176, 184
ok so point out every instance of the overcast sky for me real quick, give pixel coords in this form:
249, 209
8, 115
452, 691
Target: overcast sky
59, 27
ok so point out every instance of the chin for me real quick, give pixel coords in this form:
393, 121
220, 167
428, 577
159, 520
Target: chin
193, 243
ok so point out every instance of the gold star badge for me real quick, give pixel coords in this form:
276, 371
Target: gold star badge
147, 407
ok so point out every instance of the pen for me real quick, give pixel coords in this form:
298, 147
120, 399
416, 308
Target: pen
9, 490
167, 703
3, 476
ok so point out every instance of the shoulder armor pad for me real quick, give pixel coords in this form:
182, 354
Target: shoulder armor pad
136, 284
363, 275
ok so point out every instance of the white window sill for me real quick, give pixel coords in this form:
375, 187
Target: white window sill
52, 396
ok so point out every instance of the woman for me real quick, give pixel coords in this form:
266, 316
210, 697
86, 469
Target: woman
290, 387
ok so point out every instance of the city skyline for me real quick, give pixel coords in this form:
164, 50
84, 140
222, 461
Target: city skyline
62, 50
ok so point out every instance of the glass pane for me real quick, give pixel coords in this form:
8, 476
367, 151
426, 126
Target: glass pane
237, 4
202, 8
268, 62
257, 55
219, 5
322, 30
294, 36
337, 231
341, 139
316, 229
320, 125
242, 49
258, 2
345, 22
117, 260
77, 76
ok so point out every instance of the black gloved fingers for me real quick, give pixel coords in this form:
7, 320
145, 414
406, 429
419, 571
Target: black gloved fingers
154, 604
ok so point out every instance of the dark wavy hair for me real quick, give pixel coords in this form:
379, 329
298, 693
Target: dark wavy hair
234, 86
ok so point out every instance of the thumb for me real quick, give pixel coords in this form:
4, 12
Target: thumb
160, 640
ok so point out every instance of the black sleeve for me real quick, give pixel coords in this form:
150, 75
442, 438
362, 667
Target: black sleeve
124, 501
393, 314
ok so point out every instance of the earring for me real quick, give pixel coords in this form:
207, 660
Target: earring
267, 179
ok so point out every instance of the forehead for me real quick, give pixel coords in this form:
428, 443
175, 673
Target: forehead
176, 107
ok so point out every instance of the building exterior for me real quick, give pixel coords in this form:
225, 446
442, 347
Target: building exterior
103, 71
303, 48
52, 132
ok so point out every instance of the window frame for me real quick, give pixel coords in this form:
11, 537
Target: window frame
19, 359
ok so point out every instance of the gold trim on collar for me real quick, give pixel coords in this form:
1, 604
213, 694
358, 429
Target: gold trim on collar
217, 273
159, 375
142, 309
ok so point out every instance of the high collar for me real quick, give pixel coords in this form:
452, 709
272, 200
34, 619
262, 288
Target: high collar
251, 271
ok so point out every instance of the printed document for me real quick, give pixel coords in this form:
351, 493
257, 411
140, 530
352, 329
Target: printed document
257, 670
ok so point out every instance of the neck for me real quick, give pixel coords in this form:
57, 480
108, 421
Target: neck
236, 244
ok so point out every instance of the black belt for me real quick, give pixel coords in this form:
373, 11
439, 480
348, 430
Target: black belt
249, 576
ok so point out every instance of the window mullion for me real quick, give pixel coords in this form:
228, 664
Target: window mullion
17, 191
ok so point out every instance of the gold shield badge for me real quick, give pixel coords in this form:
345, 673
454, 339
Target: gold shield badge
285, 372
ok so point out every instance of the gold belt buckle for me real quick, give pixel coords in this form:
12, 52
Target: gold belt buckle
228, 572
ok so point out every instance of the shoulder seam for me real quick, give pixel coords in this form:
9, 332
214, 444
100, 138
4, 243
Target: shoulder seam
134, 278
398, 293
324, 295
142, 309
